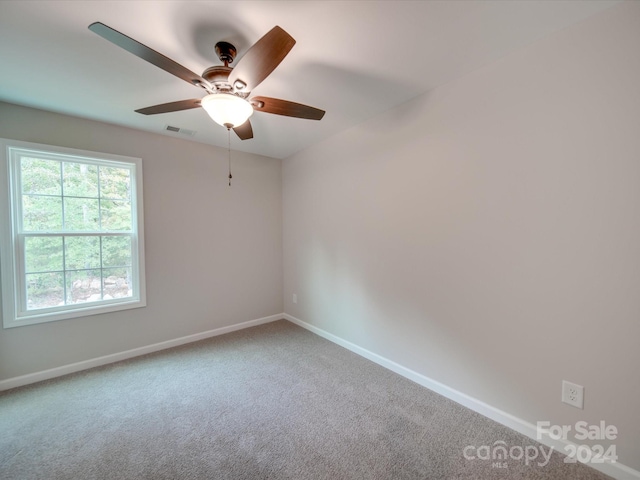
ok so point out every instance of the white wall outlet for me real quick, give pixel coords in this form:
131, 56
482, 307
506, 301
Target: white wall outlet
573, 394
294, 299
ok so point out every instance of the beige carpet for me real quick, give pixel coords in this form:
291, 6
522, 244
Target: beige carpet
270, 402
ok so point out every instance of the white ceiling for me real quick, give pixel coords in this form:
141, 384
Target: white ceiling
353, 59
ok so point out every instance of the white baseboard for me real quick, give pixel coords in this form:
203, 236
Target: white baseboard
116, 357
616, 470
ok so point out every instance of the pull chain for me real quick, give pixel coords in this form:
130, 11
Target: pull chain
229, 152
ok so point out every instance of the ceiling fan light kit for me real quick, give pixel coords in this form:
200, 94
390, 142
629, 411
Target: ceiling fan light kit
226, 109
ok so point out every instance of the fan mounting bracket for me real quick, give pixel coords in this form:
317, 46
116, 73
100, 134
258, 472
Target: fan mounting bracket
225, 52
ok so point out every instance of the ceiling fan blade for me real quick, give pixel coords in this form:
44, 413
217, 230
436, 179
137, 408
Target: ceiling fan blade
284, 107
170, 107
244, 131
148, 54
261, 59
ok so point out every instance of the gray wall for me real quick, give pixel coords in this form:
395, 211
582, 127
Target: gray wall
487, 234
213, 252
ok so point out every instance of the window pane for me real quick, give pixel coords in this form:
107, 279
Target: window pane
116, 215
41, 213
84, 286
80, 180
43, 254
115, 183
40, 176
117, 283
82, 252
81, 214
44, 290
116, 251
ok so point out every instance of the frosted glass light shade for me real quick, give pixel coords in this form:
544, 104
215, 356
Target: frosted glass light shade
227, 110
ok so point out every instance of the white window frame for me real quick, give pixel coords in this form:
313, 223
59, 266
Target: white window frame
12, 276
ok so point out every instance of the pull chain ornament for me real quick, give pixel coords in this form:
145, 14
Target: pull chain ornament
228, 125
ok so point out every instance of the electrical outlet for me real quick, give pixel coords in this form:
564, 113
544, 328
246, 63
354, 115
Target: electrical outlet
294, 299
573, 394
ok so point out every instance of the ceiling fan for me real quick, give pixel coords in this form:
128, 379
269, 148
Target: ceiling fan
227, 101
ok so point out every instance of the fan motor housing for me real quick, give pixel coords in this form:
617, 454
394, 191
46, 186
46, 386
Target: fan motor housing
217, 74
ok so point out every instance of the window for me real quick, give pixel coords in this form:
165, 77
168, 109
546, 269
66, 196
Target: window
72, 233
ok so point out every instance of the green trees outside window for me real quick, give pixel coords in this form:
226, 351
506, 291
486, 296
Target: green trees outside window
74, 202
